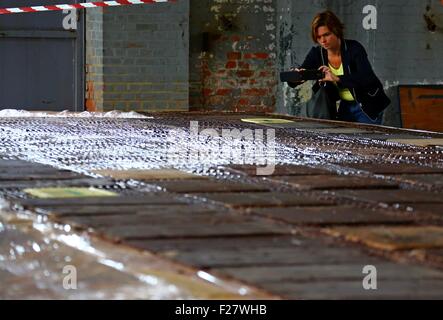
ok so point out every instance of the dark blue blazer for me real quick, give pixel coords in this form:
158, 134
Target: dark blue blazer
358, 77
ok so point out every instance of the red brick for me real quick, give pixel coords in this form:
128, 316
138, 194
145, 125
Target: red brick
207, 92
206, 73
243, 65
231, 64
235, 38
255, 92
234, 55
255, 100
270, 109
252, 108
232, 83
273, 101
216, 100
90, 105
245, 73
243, 102
223, 92
257, 55
261, 55
264, 74
252, 81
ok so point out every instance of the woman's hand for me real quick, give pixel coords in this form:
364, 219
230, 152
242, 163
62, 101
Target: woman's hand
329, 76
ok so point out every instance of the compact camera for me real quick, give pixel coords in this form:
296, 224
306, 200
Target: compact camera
302, 75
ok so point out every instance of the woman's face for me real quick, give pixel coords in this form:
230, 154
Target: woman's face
327, 39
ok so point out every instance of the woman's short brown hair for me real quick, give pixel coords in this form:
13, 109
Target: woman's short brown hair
327, 19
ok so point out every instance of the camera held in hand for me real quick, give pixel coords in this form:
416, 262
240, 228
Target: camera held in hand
302, 75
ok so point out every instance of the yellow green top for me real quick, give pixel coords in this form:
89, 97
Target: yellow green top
345, 94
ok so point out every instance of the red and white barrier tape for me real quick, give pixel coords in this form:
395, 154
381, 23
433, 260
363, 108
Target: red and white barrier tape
78, 6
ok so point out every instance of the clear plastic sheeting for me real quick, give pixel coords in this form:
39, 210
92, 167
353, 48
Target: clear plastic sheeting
87, 144
40, 260
34, 253
14, 113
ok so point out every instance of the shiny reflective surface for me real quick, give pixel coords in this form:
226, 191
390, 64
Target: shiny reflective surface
109, 142
34, 252
38, 260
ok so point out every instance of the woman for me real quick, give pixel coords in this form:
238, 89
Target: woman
348, 73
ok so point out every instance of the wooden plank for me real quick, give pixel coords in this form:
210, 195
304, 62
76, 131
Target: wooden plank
148, 199
133, 219
264, 257
386, 136
432, 209
351, 290
286, 123
386, 271
301, 125
264, 199
222, 228
433, 255
330, 215
83, 182
315, 182
392, 168
207, 186
34, 168
253, 251
283, 170
229, 244
113, 210
393, 238
421, 107
154, 174
371, 152
345, 130
168, 216
231, 117
42, 175
20, 164
69, 192
419, 142
391, 196
266, 121
433, 180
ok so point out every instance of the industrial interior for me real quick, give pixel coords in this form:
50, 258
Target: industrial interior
149, 150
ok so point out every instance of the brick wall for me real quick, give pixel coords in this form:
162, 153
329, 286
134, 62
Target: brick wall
144, 57
232, 55
94, 59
